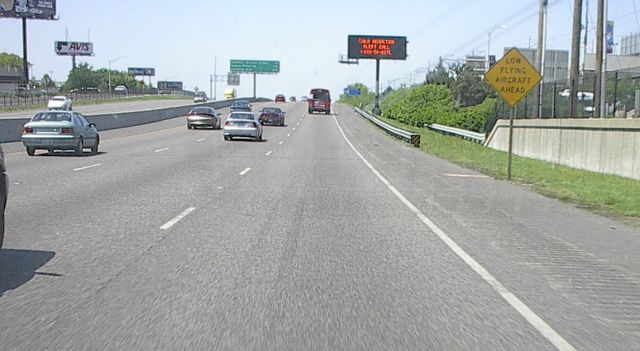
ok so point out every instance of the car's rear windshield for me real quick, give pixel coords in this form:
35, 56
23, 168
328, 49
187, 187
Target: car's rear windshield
201, 110
241, 116
58, 98
200, 93
52, 117
320, 95
271, 110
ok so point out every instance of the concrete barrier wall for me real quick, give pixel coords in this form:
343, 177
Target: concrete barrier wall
10, 129
610, 146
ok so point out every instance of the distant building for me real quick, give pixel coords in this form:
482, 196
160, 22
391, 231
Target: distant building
614, 63
10, 79
630, 45
556, 63
476, 63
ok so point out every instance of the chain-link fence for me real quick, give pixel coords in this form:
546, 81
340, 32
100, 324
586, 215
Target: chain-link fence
620, 98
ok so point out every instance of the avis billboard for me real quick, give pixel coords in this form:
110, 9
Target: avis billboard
34, 9
379, 47
72, 48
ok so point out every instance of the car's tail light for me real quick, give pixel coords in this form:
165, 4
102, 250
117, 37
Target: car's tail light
227, 124
66, 131
27, 130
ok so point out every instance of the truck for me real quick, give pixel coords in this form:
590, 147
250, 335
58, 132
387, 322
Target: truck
229, 94
319, 101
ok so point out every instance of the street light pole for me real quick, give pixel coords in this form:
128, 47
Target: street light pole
502, 26
109, 71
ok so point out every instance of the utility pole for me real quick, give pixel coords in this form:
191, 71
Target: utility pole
25, 63
575, 57
597, 94
603, 80
539, 62
586, 42
215, 73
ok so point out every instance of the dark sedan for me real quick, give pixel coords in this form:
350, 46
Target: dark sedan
240, 106
272, 115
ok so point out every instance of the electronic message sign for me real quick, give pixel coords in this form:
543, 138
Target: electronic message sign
32, 9
377, 47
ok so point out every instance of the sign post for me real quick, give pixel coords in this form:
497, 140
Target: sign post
513, 77
379, 48
254, 67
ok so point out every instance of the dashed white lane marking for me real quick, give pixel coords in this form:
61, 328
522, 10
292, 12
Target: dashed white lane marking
87, 167
245, 171
161, 150
199, 140
538, 323
281, 142
268, 153
294, 128
297, 123
178, 218
289, 134
465, 175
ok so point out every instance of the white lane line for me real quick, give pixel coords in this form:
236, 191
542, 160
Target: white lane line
161, 150
199, 140
297, 123
177, 219
288, 135
294, 128
268, 153
281, 142
538, 323
245, 171
87, 167
465, 175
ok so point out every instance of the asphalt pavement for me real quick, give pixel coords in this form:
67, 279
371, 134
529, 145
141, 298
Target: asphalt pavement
328, 235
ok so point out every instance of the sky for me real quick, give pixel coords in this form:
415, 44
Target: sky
183, 39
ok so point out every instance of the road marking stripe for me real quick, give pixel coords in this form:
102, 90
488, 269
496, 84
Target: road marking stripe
268, 153
288, 135
87, 167
199, 140
294, 128
297, 123
245, 171
538, 323
177, 219
465, 175
161, 150
281, 142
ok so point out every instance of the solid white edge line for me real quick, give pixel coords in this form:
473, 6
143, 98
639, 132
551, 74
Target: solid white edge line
177, 219
268, 153
87, 167
245, 171
161, 150
538, 323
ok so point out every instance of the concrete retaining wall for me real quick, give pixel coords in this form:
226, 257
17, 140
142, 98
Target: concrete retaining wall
10, 129
610, 146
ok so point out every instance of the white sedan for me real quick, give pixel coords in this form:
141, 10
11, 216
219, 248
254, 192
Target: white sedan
60, 103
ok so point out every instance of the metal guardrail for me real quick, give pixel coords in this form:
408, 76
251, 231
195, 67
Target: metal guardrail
462, 133
411, 138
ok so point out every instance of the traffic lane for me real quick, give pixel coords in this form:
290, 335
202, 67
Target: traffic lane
321, 257
119, 222
123, 106
560, 260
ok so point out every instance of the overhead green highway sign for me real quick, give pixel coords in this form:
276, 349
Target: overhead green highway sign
255, 66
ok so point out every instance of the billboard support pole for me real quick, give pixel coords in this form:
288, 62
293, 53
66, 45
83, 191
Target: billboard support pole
73, 61
254, 85
376, 108
25, 63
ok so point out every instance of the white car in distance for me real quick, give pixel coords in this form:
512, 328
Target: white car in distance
60, 103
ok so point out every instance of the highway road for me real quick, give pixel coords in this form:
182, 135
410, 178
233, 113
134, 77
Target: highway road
329, 235
124, 106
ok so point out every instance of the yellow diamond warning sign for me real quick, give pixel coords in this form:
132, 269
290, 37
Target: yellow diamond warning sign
513, 77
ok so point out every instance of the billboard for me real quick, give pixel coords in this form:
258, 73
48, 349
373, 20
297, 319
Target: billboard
254, 66
377, 47
233, 78
73, 48
34, 9
351, 91
139, 71
169, 85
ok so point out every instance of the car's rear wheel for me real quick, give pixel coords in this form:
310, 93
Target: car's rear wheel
94, 149
188, 126
31, 150
79, 147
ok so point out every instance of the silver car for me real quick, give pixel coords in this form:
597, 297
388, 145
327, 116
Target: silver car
203, 117
4, 185
60, 130
60, 103
242, 124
